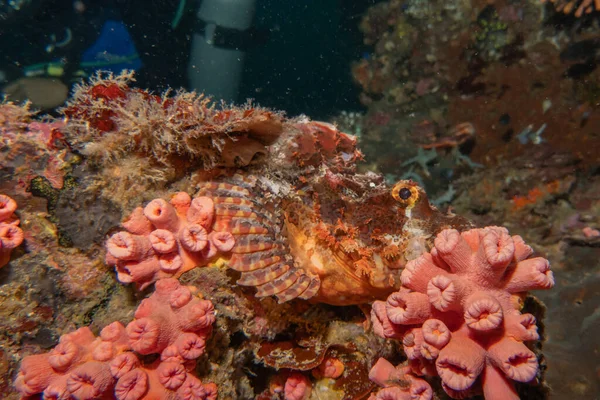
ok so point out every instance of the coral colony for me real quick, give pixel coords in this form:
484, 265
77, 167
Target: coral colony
458, 312
171, 323
143, 254
279, 205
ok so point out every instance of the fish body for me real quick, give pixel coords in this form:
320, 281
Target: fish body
328, 234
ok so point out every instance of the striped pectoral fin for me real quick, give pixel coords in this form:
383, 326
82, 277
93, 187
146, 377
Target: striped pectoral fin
295, 290
259, 254
221, 189
239, 210
262, 276
312, 289
235, 212
241, 226
246, 262
252, 244
279, 284
248, 229
236, 201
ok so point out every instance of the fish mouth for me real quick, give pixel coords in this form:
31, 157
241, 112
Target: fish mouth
348, 265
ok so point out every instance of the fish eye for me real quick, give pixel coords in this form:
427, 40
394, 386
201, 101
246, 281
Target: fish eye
406, 193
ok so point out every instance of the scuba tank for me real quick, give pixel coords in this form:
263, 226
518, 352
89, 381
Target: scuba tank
222, 35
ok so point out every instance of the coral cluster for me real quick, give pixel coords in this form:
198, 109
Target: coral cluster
552, 202
11, 235
165, 239
458, 313
171, 323
399, 383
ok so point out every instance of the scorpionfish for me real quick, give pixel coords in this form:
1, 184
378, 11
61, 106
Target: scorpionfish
309, 226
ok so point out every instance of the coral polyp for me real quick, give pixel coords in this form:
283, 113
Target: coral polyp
11, 235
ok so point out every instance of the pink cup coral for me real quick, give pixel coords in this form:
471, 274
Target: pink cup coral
458, 313
166, 239
11, 235
171, 322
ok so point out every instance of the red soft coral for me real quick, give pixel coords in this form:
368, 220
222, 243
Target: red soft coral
11, 235
166, 239
459, 311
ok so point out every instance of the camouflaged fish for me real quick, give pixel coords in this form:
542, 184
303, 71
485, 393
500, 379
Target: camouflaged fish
339, 240
332, 235
303, 224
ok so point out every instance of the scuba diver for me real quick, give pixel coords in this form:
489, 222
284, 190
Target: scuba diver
47, 45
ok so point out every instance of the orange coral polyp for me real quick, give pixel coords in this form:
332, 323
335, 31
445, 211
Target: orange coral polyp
193, 238
90, 381
331, 368
163, 241
133, 385
201, 211
483, 312
443, 293
170, 263
223, 241
171, 375
125, 246
11, 236
514, 359
7, 207
162, 214
408, 308
436, 333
